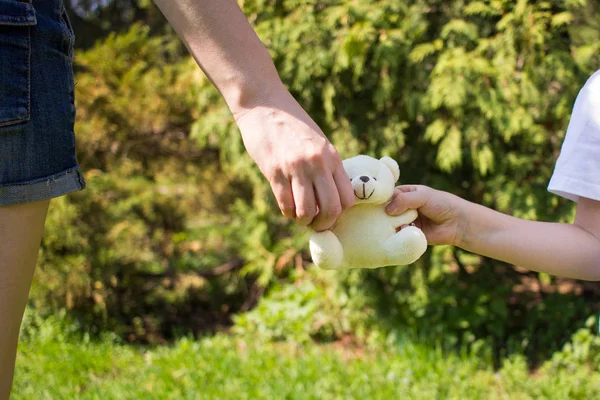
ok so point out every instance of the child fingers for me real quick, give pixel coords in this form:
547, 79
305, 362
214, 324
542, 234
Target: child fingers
406, 197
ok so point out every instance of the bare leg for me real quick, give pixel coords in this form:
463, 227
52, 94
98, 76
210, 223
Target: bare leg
21, 229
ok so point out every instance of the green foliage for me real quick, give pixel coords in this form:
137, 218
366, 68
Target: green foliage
583, 350
312, 308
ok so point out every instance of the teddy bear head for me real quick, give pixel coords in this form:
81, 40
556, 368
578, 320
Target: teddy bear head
373, 180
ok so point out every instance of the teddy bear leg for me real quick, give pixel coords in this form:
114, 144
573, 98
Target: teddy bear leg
326, 250
406, 246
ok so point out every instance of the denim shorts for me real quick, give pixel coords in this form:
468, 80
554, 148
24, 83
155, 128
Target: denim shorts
37, 110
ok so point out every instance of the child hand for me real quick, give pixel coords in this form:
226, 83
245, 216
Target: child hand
440, 213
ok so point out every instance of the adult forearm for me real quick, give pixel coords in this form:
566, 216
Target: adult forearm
558, 249
225, 46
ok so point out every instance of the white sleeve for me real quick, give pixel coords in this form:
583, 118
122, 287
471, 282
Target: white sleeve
577, 170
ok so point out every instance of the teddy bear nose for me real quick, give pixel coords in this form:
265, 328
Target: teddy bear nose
364, 178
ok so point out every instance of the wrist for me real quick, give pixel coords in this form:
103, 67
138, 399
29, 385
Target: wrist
246, 93
467, 228
479, 227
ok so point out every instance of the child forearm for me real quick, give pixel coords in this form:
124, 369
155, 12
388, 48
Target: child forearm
554, 248
224, 45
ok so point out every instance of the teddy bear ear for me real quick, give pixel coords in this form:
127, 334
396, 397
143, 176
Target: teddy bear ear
392, 165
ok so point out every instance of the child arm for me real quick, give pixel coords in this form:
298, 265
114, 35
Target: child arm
554, 248
559, 249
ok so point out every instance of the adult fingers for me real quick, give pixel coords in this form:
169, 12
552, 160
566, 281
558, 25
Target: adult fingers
329, 203
304, 200
344, 188
282, 189
407, 197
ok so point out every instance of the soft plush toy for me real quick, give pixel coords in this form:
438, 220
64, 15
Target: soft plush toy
366, 236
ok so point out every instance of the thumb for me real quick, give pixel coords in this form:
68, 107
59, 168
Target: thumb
407, 197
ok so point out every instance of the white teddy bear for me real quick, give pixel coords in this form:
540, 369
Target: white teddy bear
366, 236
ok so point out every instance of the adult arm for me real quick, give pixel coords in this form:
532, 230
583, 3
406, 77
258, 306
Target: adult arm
302, 166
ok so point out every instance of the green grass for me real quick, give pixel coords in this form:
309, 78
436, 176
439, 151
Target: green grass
51, 366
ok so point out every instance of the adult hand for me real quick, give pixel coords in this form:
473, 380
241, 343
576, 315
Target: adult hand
440, 213
304, 169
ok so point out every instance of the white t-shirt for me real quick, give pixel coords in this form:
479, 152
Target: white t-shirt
577, 170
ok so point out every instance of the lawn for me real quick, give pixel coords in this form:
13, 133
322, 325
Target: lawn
53, 366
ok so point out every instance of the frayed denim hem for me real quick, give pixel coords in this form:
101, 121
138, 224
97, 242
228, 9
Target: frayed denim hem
47, 188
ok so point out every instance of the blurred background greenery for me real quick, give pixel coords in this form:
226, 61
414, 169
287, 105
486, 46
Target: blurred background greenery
178, 237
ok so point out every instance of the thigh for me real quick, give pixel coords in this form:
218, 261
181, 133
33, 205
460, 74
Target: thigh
21, 229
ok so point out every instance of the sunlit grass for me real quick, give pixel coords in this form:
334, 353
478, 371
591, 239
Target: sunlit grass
53, 366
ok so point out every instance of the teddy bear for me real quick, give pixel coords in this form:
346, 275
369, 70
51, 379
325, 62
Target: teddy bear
366, 236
